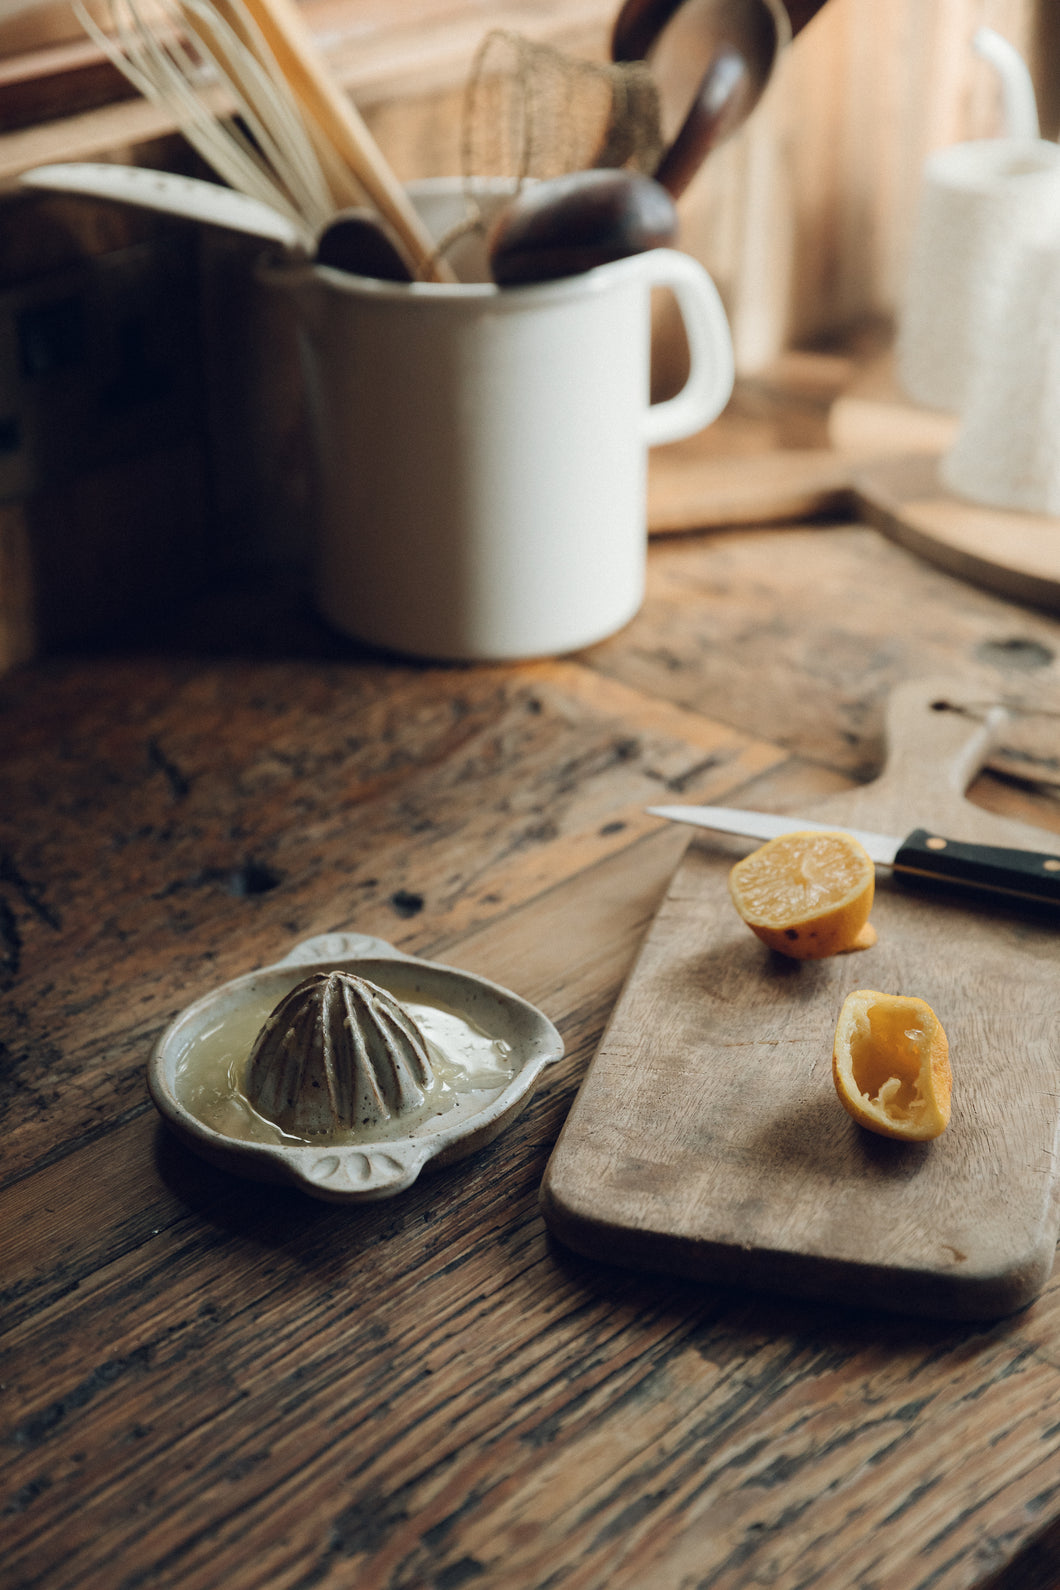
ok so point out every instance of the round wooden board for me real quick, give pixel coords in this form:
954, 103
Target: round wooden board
894, 448
1013, 554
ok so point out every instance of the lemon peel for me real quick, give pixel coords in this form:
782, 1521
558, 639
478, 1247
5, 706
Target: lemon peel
891, 1065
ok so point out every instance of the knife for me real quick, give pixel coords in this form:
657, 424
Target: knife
921, 857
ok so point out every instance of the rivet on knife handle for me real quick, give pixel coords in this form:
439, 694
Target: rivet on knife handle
1024, 874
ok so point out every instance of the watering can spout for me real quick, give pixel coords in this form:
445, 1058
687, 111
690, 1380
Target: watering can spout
1019, 106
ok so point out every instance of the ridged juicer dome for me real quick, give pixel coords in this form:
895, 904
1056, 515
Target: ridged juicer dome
338, 1053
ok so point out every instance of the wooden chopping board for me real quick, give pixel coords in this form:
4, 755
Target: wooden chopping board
882, 465
707, 1139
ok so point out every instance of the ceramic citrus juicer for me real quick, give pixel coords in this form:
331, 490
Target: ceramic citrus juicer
347, 1067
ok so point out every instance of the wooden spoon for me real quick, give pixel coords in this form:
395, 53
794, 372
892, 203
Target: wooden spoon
713, 56
568, 224
285, 33
360, 242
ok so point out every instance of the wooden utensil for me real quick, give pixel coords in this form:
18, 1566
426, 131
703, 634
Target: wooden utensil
716, 57
707, 1139
728, 52
359, 241
571, 223
266, 154
321, 98
228, 32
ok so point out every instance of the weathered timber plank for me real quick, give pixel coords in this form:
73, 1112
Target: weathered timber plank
632, 1429
214, 1398
568, 952
246, 807
801, 633
207, 1383
180, 1290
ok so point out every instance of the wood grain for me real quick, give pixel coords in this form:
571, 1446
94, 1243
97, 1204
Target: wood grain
894, 449
686, 493
707, 1138
1016, 554
171, 778
208, 1383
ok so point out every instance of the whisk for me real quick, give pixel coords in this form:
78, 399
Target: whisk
274, 160
250, 97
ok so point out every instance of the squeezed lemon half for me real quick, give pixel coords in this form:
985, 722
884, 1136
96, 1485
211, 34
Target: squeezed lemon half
891, 1065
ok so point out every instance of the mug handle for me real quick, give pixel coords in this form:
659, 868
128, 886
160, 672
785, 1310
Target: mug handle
712, 369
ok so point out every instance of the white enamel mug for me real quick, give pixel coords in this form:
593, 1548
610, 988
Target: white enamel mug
482, 453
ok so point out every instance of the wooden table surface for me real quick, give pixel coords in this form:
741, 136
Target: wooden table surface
209, 1383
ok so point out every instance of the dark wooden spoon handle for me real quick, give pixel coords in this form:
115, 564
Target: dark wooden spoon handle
741, 50
725, 98
801, 12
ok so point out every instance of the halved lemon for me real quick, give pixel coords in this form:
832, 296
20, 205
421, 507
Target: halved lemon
806, 895
891, 1065
864, 941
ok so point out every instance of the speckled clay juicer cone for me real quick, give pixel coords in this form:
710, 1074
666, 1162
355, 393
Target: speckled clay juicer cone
338, 1053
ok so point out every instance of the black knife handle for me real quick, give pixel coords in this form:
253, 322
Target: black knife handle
1020, 874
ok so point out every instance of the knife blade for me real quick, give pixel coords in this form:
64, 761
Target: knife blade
922, 857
